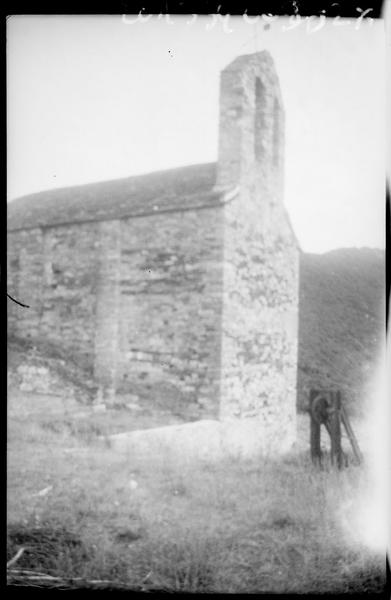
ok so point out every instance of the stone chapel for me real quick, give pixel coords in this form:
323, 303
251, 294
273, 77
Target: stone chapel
180, 285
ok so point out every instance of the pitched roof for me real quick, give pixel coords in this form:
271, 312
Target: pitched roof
174, 189
182, 188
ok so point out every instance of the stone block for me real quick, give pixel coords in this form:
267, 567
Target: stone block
197, 440
208, 440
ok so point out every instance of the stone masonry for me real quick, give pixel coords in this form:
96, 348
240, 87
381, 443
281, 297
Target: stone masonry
179, 287
260, 287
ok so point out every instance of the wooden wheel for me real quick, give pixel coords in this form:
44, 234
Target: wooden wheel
320, 409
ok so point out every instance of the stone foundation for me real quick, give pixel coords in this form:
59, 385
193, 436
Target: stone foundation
205, 440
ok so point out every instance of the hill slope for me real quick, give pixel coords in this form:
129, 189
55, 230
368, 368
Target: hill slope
342, 321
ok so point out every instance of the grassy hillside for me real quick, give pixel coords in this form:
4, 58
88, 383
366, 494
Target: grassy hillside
342, 322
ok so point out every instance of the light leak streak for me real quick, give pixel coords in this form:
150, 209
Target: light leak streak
366, 518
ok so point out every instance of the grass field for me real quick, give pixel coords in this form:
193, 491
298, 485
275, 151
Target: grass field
87, 516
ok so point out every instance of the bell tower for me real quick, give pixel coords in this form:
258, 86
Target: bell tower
261, 260
251, 134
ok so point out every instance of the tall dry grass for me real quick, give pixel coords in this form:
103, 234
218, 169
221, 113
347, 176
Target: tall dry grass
83, 511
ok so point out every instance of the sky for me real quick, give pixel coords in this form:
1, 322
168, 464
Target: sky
91, 98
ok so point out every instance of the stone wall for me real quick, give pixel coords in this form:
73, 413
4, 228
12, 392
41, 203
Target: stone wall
170, 333
25, 281
54, 271
260, 322
137, 300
